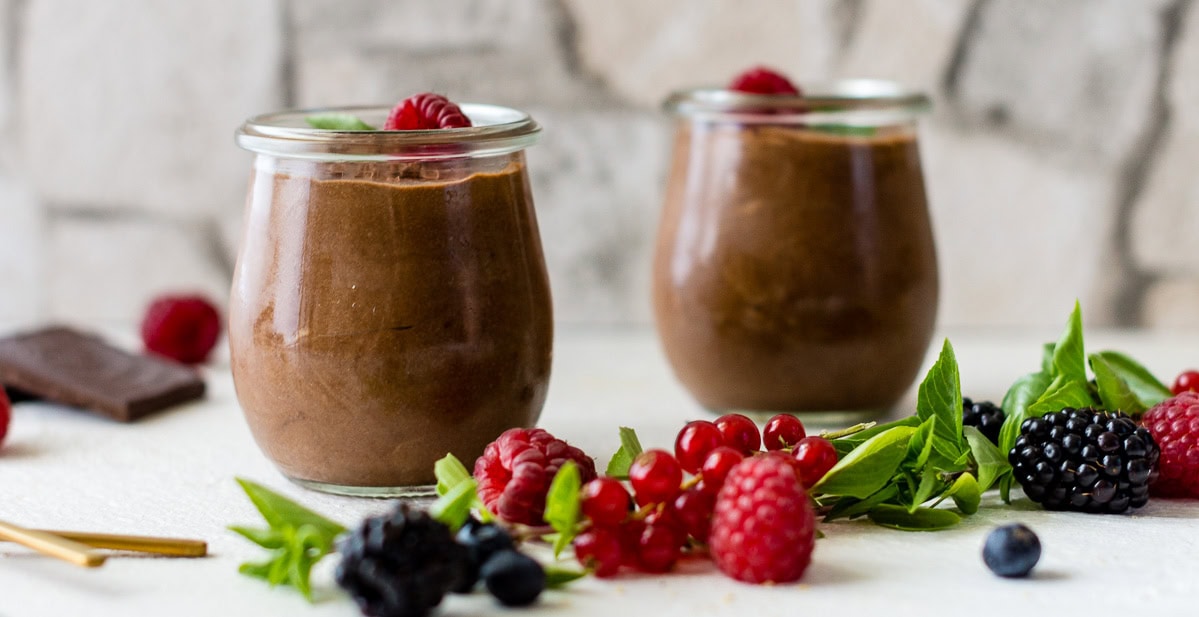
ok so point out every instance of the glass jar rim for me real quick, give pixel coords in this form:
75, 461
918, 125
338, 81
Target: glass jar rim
496, 130
844, 100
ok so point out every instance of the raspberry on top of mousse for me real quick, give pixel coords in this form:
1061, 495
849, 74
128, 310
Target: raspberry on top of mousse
763, 80
425, 111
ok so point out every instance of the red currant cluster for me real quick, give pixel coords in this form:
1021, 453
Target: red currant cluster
674, 512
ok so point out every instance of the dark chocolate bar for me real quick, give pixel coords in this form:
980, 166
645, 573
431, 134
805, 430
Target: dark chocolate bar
66, 366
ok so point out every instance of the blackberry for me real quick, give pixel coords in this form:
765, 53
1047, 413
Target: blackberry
401, 564
515, 579
1085, 460
986, 416
1012, 550
482, 540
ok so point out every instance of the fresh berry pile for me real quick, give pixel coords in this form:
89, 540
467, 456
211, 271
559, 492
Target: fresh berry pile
183, 328
1174, 424
425, 111
1085, 460
515, 471
404, 563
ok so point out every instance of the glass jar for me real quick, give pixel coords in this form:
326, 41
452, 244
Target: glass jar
390, 302
795, 269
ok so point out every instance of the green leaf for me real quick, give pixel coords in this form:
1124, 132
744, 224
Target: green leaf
992, 463
923, 519
1063, 392
630, 447
1069, 358
1147, 389
337, 122
940, 397
557, 577
1047, 358
280, 511
1114, 392
849, 507
868, 467
1005, 487
449, 472
453, 508
966, 493
266, 538
562, 504
845, 445
929, 482
1015, 404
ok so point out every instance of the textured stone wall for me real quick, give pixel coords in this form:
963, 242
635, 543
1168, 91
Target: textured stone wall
1062, 155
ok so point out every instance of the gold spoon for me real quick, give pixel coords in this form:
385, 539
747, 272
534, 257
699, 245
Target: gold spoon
53, 545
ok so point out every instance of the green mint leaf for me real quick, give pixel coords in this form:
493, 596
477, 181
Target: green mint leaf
1114, 393
557, 577
256, 570
630, 447
965, 493
279, 511
1005, 487
920, 446
449, 472
929, 482
923, 519
337, 122
1015, 404
1069, 358
868, 467
562, 504
845, 445
991, 462
1144, 387
849, 507
1063, 392
266, 538
453, 508
940, 397
1047, 358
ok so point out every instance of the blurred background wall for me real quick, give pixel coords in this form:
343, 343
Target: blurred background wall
1062, 155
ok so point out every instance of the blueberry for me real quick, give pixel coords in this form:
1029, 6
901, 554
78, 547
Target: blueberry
513, 578
482, 540
1011, 550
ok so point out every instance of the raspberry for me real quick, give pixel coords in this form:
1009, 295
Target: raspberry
761, 80
5, 414
1085, 460
763, 528
985, 416
1187, 381
1174, 424
183, 328
516, 469
425, 111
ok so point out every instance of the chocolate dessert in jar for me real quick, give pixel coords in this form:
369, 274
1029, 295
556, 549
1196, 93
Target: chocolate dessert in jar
795, 269
390, 301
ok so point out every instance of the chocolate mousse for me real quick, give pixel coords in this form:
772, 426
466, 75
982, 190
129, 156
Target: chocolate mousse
386, 313
795, 268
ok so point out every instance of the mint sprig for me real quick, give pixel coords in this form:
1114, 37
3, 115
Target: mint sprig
337, 121
296, 537
630, 447
562, 504
457, 494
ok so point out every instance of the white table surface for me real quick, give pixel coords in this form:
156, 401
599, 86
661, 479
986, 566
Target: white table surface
173, 475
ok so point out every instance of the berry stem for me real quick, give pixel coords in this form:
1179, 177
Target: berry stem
846, 432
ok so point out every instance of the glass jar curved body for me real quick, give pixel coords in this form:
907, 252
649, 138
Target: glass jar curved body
795, 269
388, 309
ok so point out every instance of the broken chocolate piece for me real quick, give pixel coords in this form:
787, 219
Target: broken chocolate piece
66, 366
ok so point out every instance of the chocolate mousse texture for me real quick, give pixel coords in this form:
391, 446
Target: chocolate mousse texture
385, 314
795, 268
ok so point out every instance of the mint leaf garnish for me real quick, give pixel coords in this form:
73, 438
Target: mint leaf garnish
298, 538
923, 519
337, 122
991, 462
940, 397
562, 504
630, 447
451, 474
557, 577
1015, 404
1069, 358
869, 466
1120, 373
453, 508
966, 494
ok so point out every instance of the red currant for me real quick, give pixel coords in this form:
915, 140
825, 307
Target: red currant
816, 456
717, 466
782, 431
693, 509
739, 432
694, 442
599, 548
658, 548
5, 413
605, 501
655, 476
1187, 381
630, 542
